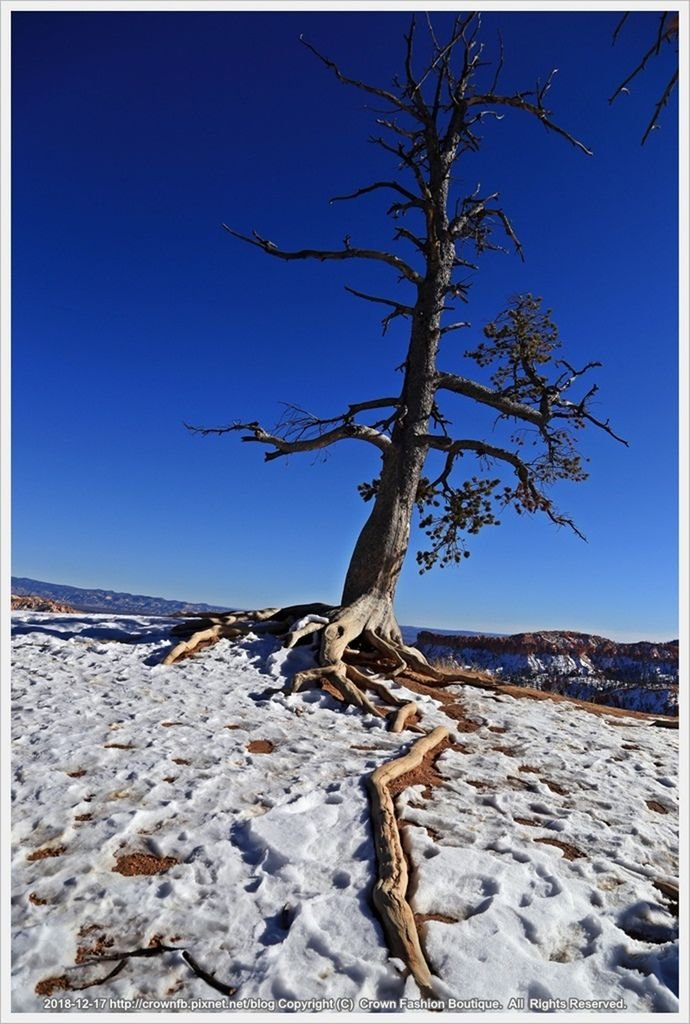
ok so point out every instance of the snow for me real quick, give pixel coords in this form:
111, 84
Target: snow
114, 755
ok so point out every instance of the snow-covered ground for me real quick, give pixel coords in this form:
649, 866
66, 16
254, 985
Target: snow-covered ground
546, 858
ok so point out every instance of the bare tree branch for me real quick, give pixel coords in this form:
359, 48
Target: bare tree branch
455, 327
487, 396
660, 106
374, 90
414, 200
519, 102
619, 26
399, 308
345, 432
348, 253
668, 27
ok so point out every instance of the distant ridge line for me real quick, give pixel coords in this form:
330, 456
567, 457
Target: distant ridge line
87, 599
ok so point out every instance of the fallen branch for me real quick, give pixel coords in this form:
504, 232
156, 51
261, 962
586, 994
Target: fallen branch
219, 986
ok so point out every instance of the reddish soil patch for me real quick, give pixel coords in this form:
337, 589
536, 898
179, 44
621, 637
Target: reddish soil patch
143, 864
497, 728
158, 939
37, 901
77, 774
88, 929
570, 852
169, 778
120, 746
556, 787
508, 751
528, 821
166, 725
180, 760
424, 774
459, 715
433, 833
654, 805
462, 748
528, 768
450, 704
260, 747
100, 946
478, 784
48, 986
513, 782
83, 817
330, 689
232, 726
47, 851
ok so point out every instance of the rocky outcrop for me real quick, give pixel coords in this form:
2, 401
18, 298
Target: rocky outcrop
33, 603
641, 676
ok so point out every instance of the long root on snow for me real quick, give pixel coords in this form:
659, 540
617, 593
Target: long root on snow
357, 644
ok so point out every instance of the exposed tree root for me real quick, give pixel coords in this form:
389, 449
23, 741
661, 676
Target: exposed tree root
390, 891
401, 716
356, 643
336, 675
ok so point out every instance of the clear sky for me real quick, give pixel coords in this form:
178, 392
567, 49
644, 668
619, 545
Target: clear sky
136, 134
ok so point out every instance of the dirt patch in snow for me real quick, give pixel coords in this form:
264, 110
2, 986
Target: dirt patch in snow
143, 864
48, 986
99, 947
47, 851
570, 852
260, 747
555, 787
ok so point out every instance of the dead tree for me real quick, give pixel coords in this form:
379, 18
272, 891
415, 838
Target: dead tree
433, 117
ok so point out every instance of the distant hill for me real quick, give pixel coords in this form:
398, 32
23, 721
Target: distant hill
85, 600
641, 676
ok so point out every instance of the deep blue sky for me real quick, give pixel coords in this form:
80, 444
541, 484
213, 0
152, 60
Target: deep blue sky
136, 134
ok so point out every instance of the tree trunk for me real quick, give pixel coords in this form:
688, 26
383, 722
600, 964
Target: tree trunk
381, 547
